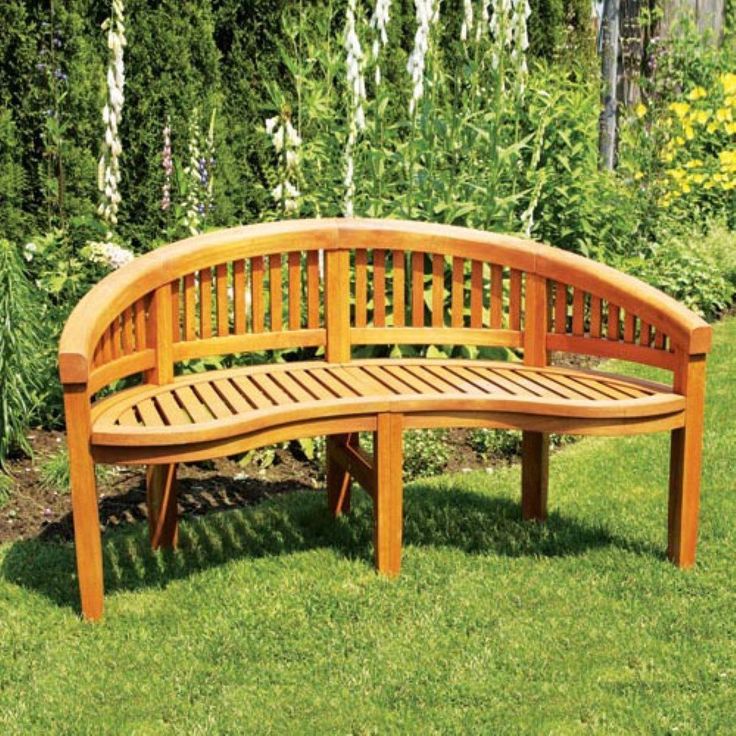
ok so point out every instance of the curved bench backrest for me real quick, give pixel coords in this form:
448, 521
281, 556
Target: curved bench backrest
339, 283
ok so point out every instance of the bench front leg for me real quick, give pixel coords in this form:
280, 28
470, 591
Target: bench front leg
388, 492
534, 475
686, 449
163, 523
87, 535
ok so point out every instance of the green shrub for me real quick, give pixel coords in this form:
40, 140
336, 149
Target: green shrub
20, 346
495, 443
689, 269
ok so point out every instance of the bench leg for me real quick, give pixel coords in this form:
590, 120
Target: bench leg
684, 500
387, 493
338, 479
87, 536
534, 475
161, 500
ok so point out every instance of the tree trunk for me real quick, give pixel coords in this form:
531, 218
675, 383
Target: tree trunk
609, 74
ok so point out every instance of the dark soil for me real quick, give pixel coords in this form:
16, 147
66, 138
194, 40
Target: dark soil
35, 510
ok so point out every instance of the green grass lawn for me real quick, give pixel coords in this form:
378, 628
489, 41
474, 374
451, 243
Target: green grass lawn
271, 619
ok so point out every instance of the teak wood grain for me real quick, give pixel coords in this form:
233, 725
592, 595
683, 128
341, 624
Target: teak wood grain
332, 285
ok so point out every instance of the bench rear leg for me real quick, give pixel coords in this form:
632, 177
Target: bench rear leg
534, 475
163, 524
338, 479
388, 493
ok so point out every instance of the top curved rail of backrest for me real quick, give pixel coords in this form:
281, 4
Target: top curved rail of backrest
334, 283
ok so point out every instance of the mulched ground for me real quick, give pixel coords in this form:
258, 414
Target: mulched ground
35, 510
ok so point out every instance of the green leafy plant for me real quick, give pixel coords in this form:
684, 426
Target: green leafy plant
20, 347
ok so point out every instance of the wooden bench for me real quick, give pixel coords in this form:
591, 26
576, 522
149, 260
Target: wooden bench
328, 285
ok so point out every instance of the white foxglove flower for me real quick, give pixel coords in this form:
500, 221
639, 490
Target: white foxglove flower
467, 19
379, 22
427, 13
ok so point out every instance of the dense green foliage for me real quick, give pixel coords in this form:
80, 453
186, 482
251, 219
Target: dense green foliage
270, 619
20, 352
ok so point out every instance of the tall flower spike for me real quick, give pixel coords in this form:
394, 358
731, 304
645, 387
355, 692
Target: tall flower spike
467, 19
112, 113
286, 142
168, 166
379, 21
427, 13
356, 87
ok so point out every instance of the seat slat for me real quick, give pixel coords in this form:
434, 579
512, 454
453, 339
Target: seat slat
212, 400
311, 384
190, 401
583, 389
149, 414
270, 389
334, 384
392, 383
174, 414
369, 386
294, 389
232, 396
429, 375
252, 392
399, 372
474, 379
530, 387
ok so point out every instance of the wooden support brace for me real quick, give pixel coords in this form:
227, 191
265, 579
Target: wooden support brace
338, 475
389, 487
161, 499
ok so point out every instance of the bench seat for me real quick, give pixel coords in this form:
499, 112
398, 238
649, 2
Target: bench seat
228, 403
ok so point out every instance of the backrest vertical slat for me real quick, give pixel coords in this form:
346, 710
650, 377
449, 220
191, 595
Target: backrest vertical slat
256, 292
595, 316
398, 287
159, 336
239, 322
128, 338
361, 288
578, 311
295, 290
476, 294
458, 287
115, 338
379, 288
560, 308
205, 303
223, 320
659, 340
417, 289
140, 324
496, 297
438, 290
614, 322
515, 300
645, 334
175, 310
629, 327
275, 289
190, 308
106, 346
313, 289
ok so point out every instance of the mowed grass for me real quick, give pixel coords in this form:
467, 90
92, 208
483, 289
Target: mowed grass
271, 619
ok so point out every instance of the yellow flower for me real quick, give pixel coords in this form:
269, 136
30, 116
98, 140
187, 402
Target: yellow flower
667, 156
700, 117
730, 128
685, 188
680, 108
640, 110
730, 101
679, 141
677, 174
697, 178
728, 159
693, 164
638, 175
689, 132
729, 83
709, 185
723, 114
697, 94
712, 127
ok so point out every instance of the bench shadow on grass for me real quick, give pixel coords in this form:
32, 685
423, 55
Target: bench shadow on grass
288, 522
